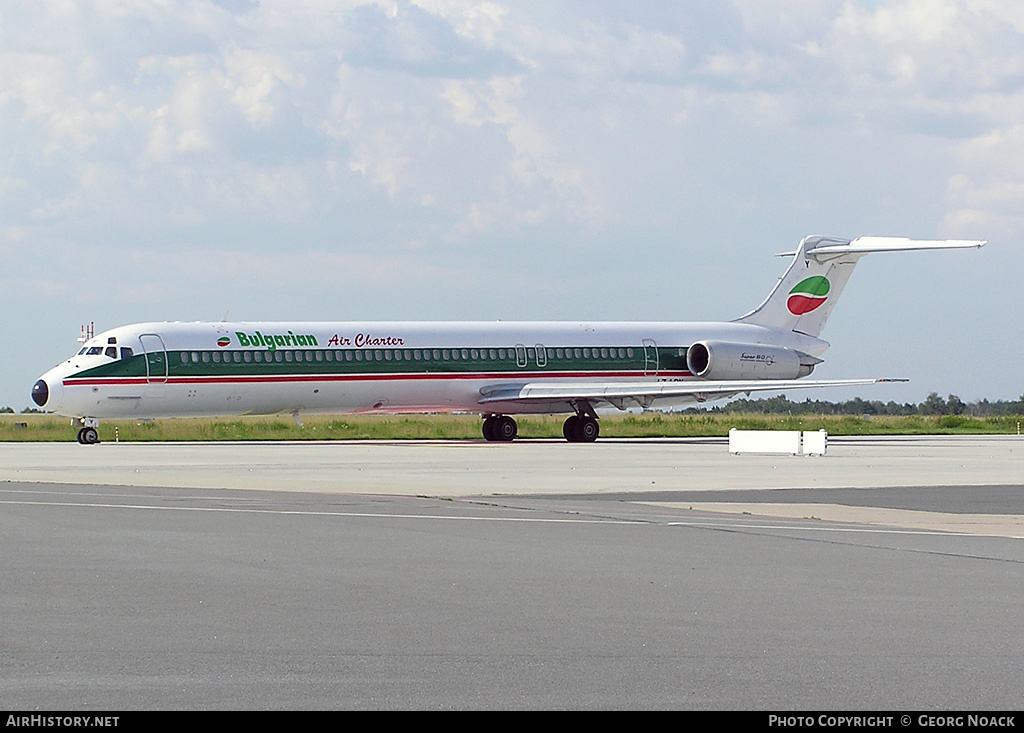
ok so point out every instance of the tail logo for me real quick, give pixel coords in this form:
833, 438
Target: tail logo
808, 295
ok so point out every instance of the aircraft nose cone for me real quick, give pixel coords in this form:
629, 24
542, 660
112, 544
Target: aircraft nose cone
40, 393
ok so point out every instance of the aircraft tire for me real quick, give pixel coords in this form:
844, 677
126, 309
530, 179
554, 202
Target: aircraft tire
89, 436
505, 428
587, 430
488, 428
569, 428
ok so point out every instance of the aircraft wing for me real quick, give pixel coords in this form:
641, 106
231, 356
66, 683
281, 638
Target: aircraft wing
643, 393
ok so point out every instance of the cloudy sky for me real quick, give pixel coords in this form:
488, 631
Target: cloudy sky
465, 159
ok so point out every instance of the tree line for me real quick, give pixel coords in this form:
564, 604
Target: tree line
933, 404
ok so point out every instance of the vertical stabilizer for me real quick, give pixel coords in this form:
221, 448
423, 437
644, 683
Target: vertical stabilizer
804, 297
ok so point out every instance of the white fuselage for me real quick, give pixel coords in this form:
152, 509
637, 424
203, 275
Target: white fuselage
211, 369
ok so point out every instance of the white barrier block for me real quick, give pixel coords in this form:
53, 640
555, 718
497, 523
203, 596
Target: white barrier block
764, 441
815, 442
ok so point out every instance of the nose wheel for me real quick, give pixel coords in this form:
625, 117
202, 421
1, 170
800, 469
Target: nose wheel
89, 435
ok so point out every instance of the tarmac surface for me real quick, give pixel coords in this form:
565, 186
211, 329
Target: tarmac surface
638, 574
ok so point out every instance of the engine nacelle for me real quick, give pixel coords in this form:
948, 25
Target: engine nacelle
726, 360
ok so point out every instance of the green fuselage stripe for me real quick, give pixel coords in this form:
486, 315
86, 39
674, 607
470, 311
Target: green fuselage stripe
340, 362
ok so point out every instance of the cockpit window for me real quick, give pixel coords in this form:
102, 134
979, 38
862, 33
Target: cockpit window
94, 350
82, 350
111, 351
126, 352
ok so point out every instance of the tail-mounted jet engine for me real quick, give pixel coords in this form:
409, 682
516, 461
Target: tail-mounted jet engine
726, 360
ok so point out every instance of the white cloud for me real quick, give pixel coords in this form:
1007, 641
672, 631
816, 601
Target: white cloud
588, 148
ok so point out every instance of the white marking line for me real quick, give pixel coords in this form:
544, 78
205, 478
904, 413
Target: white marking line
538, 520
362, 515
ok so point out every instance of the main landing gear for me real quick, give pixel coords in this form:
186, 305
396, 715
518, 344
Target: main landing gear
579, 428
500, 428
89, 435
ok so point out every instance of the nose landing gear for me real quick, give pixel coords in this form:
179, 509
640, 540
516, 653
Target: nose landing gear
89, 435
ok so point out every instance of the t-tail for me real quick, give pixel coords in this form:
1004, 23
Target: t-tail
804, 297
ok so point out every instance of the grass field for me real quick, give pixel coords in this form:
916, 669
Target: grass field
20, 428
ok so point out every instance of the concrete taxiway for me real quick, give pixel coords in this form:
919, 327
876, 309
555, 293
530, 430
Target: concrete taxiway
625, 574
459, 469
466, 468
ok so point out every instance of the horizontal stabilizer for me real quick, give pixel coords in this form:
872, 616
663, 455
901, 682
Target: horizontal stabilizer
867, 245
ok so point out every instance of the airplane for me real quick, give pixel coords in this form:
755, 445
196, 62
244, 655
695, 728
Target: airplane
498, 369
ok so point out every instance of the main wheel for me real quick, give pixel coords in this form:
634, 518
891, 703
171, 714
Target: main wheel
587, 430
505, 428
569, 428
488, 428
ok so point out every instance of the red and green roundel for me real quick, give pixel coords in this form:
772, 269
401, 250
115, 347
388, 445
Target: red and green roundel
223, 341
808, 295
